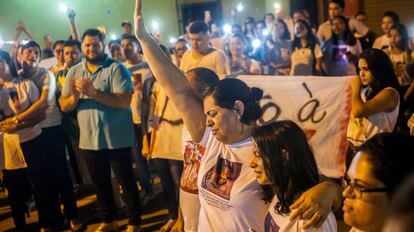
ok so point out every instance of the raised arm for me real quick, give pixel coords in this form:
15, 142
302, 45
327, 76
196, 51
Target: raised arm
171, 79
73, 28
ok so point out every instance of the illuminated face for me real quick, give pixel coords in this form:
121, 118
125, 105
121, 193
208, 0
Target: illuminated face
199, 42
334, 10
129, 49
236, 46
395, 38
92, 48
269, 19
365, 211
31, 56
258, 167
223, 122
71, 55
338, 26
58, 52
180, 49
386, 24
300, 30
277, 31
365, 75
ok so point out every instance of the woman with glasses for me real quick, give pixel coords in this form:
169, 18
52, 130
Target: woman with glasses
379, 167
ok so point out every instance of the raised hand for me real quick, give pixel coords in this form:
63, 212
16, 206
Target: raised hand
139, 26
85, 86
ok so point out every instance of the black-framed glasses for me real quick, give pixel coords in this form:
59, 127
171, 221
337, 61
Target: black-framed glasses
357, 189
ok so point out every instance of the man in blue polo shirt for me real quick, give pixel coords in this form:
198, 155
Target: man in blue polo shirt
100, 89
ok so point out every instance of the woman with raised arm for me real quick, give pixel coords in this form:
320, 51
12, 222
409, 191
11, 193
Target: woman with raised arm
230, 196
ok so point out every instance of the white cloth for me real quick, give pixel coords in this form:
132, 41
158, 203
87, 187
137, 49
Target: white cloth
362, 129
230, 196
303, 60
16, 96
216, 60
381, 42
45, 80
143, 71
280, 223
189, 201
325, 31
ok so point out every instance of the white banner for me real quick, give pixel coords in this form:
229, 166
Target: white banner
319, 105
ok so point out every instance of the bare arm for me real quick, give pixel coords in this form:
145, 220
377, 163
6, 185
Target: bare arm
35, 108
171, 79
73, 28
385, 100
68, 103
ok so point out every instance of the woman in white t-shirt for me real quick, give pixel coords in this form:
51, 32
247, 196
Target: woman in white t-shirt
378, 169
307, 54
285, 167
229, 194
241, 64
16, 95
375, 99
341, 51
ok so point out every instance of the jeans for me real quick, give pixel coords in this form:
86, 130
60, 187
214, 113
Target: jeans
170, 172
99, 164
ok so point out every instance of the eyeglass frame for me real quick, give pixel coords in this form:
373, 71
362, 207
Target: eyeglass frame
346, 182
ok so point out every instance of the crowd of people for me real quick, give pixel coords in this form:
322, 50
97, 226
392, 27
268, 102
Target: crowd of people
114, 110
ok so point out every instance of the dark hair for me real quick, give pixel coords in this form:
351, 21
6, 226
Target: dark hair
31, 44
6, 57
229, 90
381, 68
73, 43
112, 42
94, 32
286, 34
390, 155
395, 17
197, 27
348, 36
181, 40
115, 47
402, 207
288, 161
402, 30
268, 14
131, 38
341, 3
205, 78
312, 41
57, 42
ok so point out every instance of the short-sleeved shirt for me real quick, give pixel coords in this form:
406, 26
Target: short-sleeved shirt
45, 80
101, 126
382, 42
303, 60
230, 196
275, 222
215, 60
325, 30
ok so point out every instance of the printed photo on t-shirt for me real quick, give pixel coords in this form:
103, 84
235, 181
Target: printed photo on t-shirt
15, 98
220, 179
193, 153
270, 224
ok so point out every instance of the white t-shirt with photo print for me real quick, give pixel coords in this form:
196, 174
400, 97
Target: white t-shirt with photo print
230, 196
189, 200
275, 222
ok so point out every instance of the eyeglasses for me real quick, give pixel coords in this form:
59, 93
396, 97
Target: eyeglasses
357, 189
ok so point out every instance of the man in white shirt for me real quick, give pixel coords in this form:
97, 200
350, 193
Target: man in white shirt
201, 54
336, 8
389, 19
